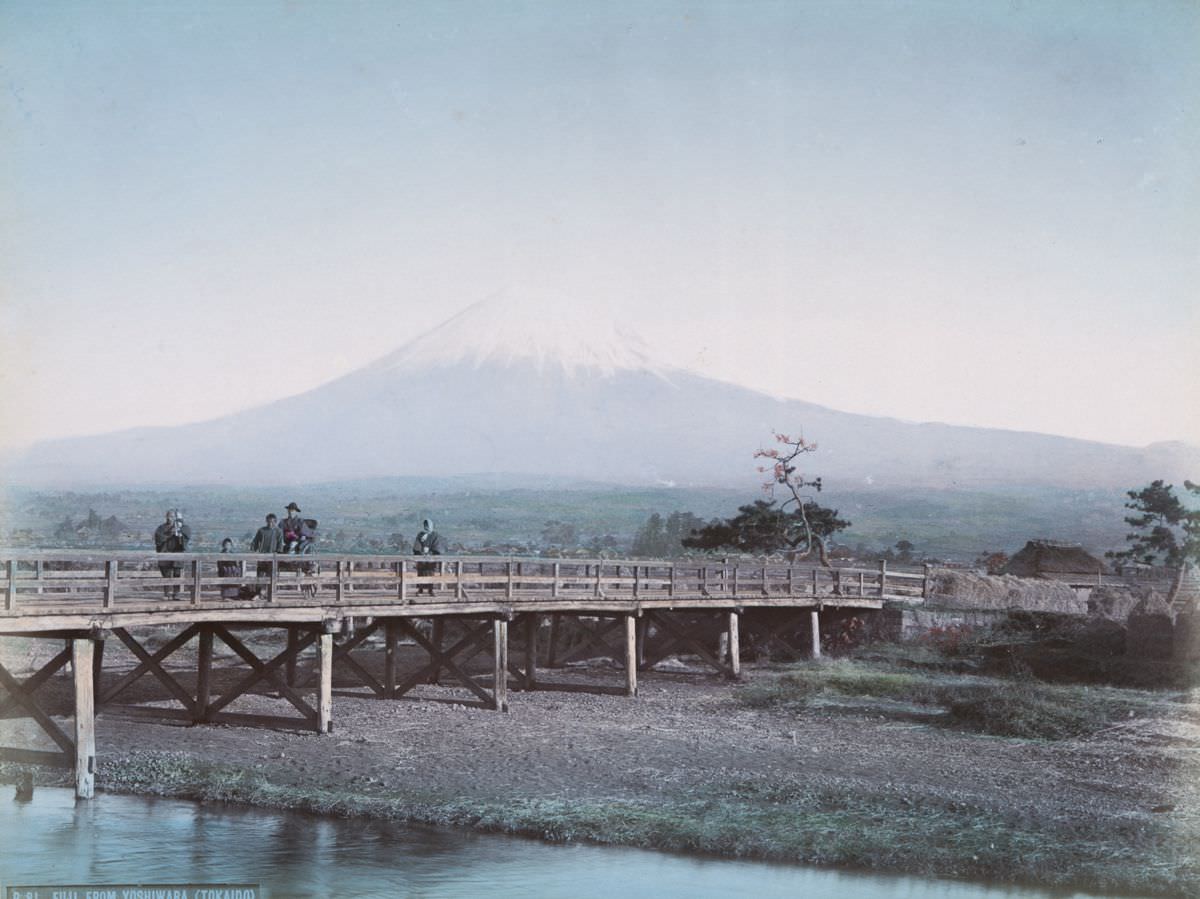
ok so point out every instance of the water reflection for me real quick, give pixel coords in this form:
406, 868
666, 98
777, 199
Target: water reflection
121, 839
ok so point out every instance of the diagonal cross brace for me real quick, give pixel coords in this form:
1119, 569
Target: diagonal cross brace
471, 644
151, 664
23, 695
145, 666
42, 675
264, 671
594, 637
699, 648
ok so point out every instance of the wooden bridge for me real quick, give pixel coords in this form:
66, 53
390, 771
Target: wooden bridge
330, 606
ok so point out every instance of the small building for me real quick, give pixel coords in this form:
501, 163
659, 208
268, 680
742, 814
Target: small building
1054, 560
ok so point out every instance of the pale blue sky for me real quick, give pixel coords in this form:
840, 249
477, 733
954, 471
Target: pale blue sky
981, 213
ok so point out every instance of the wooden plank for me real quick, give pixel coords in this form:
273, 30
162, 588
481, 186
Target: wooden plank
85, 718
325, 695
500, 657
631, 655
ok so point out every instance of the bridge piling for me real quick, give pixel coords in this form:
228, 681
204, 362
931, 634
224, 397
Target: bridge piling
325, 696
500, 657
631, 655
82, 661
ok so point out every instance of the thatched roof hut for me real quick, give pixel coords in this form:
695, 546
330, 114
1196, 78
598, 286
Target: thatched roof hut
1051, 559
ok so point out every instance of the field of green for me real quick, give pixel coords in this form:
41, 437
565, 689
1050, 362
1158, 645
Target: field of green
479, 513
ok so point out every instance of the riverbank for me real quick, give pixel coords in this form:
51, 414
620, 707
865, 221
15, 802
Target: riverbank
695, 764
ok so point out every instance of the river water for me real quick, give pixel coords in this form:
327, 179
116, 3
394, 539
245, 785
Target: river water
128, 840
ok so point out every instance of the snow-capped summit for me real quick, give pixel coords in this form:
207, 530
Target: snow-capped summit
544, 330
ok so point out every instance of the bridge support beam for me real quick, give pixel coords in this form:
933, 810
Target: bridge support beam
500, 657
735, 645
325, 691
533, 623
816, 634
82, 662
631, 655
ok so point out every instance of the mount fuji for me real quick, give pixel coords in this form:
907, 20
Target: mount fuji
513, 389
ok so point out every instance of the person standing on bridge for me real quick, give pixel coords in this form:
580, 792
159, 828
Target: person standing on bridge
297, 532
268, 539
428, 543
171, 536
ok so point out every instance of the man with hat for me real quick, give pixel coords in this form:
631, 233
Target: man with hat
296, 531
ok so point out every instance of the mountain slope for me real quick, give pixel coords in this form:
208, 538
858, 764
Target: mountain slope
505, 388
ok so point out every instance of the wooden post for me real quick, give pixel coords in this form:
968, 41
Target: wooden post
598, 567
204, 673
550, 652
735, 648
274, 579
925, 583
883, 577
704, 579
766, 588
790, 584
735, 579
631, 655
816, 634
389, 658
557, 572
862, 583
195, 581
325, 696
637, 580
508, 589
110, 586
10, 595
340, 582
532, 623
85, 718
814, 582
37, 573
500, 655
642, 625
671, 585
436, 638
458, 587
289, 667
402, 588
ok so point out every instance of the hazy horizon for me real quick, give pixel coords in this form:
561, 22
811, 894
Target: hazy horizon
971, 214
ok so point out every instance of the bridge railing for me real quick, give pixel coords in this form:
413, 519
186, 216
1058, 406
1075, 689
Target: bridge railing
109, 580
